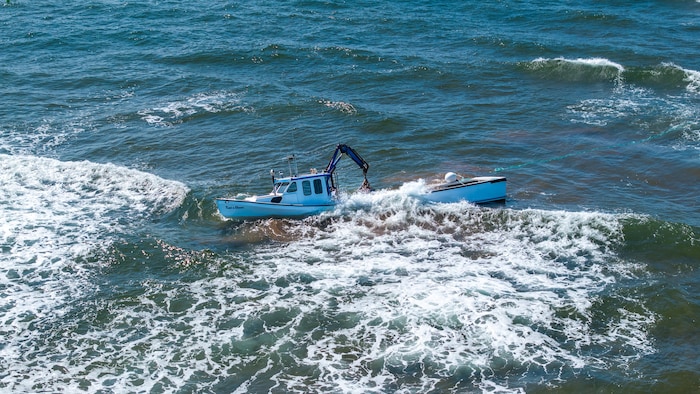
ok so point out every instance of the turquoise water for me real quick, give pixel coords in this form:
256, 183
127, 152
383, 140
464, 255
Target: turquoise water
121, 122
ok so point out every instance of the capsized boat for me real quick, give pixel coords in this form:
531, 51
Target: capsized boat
477, 190
295, 196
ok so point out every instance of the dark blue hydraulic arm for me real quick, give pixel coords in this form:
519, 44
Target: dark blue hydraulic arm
344, 149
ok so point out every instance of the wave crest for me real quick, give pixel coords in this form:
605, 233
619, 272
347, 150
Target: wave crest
662, 76
582, 69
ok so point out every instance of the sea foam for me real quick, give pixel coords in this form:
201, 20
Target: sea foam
385, 292
178, 111
53, 215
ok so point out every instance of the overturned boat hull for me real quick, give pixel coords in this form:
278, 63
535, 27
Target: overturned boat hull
477, 190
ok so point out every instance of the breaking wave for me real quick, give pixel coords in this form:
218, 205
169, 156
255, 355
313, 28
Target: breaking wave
582, 69
663, 76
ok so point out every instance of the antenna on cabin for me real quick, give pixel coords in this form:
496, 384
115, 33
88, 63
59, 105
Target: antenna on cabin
293, 170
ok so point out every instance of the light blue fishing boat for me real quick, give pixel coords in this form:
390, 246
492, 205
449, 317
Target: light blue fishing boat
295, 196
298, 196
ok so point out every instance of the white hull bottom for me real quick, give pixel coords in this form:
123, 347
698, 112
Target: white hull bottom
242, 209
478, 190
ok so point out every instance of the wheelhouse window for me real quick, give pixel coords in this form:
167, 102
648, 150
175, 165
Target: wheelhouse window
292, 188
306, 186
279, 187
318, 186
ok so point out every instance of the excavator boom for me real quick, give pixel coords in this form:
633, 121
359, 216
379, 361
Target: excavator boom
344, 149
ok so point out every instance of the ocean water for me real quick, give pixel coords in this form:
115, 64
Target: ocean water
121, 121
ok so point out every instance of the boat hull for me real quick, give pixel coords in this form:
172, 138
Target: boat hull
478, 190
244, 210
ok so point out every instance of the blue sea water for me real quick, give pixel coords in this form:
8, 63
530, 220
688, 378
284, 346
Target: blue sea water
120, 122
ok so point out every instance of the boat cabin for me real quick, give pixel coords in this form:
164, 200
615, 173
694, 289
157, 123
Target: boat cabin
310, 189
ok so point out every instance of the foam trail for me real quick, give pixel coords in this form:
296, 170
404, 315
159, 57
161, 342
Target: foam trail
386, 292
455, 287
